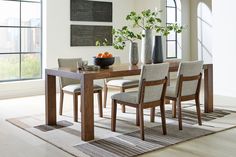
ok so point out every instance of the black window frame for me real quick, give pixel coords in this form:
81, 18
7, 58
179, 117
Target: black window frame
20, 53
176, 38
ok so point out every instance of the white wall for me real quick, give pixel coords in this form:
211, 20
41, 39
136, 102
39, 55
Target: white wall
58, 31
186, 49
141, 5
224, 47
194, 25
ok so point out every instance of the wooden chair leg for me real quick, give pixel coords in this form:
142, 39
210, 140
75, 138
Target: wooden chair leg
123, 106
113, 115
61, 102
105, 95
198, 110
100, 104
75, 104
163, 118
137, 117
173, 109
152, 114
141, 123
179, 114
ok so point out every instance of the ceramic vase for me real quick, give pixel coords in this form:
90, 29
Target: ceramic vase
147, 45
157, 52
133, 53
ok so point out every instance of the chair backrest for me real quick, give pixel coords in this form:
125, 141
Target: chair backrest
153, 82
188, 69
68, 63
117, 61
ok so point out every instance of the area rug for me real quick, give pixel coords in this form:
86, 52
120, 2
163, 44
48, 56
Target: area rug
126, 140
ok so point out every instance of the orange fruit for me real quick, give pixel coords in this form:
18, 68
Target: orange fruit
99, 55
104, 56
109, 55
106, 53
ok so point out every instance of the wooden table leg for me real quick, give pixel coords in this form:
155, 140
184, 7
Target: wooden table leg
50, 100
208, 88
87, 114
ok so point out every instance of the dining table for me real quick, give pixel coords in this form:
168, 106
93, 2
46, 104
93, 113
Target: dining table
87, 101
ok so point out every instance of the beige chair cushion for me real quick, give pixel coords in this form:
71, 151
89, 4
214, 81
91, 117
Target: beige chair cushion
153, 72
123, 83
189, 68
130, 97
74, 88
170, 91
68, 63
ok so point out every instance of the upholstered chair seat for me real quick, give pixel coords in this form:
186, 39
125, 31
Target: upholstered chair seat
151, 93
76, 88
120, 83
171, 91
186, 88
130, 97
123, 83
72, 86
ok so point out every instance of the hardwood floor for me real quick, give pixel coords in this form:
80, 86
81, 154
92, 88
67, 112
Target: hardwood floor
15, 142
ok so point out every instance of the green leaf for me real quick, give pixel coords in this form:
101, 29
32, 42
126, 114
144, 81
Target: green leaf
124, 28
98, 43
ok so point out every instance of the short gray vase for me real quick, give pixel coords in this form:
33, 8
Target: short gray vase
157, 53
133, 53
147, 45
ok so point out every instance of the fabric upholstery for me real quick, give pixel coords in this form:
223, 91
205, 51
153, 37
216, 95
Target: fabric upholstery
130, 97
74, 88
123, 83
188, 68
119, 81
68, 63
171, 91
152, 72
67, 84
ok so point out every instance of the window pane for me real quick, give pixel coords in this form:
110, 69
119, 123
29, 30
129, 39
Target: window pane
171, 15
9, 13
171, 36
170, 3
30, 65
30, 39
171, 49
9, 40
30, 14
9, 66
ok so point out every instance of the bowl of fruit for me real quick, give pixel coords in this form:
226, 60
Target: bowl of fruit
104, 60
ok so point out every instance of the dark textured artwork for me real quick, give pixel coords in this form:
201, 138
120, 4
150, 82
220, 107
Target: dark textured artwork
86, 35
85, 10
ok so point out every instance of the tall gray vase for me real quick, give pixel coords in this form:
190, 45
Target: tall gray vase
146, 49
157, 53
133, 53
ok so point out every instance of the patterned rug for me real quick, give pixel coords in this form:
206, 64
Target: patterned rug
126, 140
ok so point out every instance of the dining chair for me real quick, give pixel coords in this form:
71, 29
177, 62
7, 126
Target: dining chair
186, 88
151, 93
118, 83
72, 86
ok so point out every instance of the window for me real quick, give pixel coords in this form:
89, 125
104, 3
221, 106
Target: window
173, 41
20, 40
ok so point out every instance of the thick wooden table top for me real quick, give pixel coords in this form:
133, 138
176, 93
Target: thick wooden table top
113, 71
